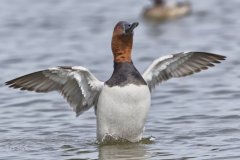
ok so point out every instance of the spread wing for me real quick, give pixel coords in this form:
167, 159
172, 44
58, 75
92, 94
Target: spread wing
179, 65
76, 84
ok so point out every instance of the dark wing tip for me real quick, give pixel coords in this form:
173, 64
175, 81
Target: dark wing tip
36, 81
218, 57
21, 82
10, 83
221, 57
14, 84
213, 55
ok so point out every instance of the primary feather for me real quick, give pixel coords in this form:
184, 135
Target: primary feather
80, 88
178, 65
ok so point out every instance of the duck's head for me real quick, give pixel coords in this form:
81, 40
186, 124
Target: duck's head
122, 41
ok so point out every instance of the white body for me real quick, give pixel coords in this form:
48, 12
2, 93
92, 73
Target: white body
122, 112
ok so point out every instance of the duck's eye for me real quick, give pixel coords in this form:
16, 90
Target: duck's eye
127, 26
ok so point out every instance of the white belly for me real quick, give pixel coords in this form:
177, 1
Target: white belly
122, 111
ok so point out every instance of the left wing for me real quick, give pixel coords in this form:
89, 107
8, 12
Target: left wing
179, 65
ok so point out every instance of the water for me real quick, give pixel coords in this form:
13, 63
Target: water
191, 118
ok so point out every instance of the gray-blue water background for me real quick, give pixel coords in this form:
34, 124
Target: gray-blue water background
196, 117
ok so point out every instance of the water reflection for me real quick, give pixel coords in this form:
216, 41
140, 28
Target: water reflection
120, 152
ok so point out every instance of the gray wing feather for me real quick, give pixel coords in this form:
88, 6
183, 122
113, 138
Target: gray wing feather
179, 65
80, 88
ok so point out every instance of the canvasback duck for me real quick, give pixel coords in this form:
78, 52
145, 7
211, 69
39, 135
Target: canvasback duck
121, 103
161, 11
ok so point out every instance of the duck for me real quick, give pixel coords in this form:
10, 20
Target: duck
122, 102
161, 11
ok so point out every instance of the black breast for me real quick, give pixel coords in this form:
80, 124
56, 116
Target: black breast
125, 73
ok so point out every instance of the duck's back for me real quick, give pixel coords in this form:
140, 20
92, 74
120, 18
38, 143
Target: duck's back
123, 104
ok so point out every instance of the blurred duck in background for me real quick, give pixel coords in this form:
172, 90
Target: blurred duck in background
163, 11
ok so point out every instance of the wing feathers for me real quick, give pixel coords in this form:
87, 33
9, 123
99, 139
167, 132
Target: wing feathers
179, 65
76, 84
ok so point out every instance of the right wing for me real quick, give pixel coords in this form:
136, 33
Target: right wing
76, 84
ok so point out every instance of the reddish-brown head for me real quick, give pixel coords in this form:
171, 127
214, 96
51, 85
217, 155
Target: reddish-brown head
122, 41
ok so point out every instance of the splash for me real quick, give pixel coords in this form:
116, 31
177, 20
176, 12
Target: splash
112, 140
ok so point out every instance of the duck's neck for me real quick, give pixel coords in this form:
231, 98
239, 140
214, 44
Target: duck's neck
124, 74
122, 48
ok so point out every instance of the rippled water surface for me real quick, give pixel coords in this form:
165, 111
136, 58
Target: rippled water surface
196, 117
